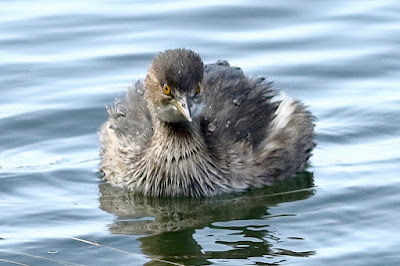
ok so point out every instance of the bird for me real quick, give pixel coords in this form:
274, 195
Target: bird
197, 130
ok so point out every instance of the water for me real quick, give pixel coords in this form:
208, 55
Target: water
62, 63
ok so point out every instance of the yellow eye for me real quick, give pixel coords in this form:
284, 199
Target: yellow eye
198, 89
166, 89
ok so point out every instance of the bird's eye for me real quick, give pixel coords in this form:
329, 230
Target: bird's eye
166, 89
198, 89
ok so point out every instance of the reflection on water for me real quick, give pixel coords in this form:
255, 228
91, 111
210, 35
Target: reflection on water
170, 224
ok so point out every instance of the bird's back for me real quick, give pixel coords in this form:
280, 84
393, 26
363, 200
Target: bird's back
252, 134
237, 109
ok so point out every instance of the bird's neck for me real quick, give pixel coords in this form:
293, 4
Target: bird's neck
176, 163
177, 139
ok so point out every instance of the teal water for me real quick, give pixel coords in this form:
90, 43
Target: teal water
63, 62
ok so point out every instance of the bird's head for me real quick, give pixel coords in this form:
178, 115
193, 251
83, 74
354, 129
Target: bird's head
172, 83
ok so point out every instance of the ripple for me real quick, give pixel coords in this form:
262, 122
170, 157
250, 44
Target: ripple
63, 62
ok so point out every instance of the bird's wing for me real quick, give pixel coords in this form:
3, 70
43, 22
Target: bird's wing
130, 117
250, 129
236, 108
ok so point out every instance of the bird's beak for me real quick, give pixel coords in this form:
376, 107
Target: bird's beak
183, 107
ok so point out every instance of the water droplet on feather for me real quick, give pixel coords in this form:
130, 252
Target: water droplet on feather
212, 126
238, 100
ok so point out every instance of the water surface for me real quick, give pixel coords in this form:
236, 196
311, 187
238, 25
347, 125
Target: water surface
63, 62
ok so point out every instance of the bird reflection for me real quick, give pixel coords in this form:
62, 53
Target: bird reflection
169, 224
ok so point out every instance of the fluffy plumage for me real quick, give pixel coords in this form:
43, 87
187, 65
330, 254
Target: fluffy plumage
240, 135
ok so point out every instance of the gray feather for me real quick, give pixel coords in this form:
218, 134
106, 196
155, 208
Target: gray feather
242, 138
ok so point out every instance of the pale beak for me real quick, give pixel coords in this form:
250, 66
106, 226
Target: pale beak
183, 107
